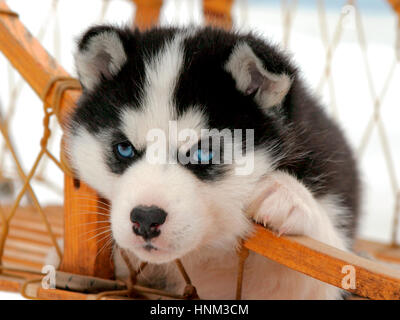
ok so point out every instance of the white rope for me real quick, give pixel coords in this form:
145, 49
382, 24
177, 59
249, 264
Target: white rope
288, 13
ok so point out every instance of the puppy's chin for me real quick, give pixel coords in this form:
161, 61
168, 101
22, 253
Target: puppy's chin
155, 255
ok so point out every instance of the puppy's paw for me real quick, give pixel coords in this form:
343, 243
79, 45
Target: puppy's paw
287, 206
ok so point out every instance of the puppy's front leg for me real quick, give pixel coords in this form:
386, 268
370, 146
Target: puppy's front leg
284, 204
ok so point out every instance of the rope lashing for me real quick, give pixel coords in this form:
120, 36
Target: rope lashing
9, 13
242, 253
190, 291
134, 290
133, 273
60, 85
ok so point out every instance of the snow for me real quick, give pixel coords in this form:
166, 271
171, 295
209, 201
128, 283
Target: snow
353, 97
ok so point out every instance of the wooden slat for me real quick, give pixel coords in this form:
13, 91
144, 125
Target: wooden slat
85, 254
147, 13
218, 13
10, 284
34, 218
35, 290
31, 60
56, 294
19, 249
379, 250
320, 261
24, 256
26, 218
34, 240
16, 263
37, 67
21, 263
38, 228
57, 222
30, 236
27, 245
13, 284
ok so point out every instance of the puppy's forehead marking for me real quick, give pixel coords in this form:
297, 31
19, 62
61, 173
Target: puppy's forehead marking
158, 109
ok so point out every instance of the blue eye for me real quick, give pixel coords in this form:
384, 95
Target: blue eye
203, 156
125, 150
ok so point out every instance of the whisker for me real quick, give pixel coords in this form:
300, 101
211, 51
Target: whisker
87, 223
99, 234
94, 207
84, 235
107, 244
90, 196
103, 247
95, 230
103, 238
93, 200
92, 212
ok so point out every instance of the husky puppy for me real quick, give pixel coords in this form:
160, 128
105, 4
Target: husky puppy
138, 137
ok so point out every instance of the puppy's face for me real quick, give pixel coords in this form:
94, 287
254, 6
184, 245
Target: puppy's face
174, 129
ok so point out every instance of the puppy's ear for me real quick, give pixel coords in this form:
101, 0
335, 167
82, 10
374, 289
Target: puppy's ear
252, 77
100, 54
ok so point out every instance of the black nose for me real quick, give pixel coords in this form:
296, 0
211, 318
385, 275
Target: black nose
146, 221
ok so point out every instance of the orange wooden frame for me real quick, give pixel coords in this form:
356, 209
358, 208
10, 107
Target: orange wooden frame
320, 261
37, 67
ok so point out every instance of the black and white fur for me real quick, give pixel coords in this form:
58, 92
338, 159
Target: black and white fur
208, 78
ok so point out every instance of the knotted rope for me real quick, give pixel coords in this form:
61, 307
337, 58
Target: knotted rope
60, 84
9, 13
134, 290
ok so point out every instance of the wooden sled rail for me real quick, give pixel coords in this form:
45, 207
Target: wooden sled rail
325, 263
31, 60
373, 279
